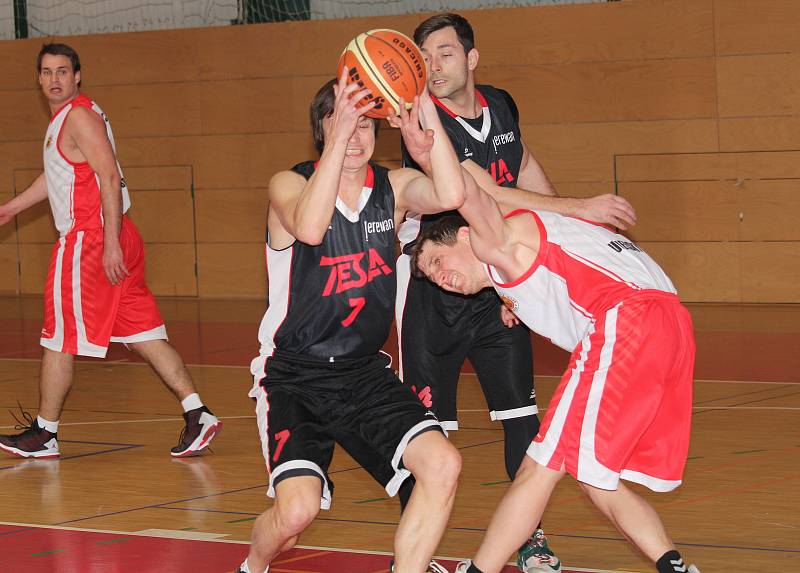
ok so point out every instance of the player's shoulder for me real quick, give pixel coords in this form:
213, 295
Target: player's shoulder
498, 97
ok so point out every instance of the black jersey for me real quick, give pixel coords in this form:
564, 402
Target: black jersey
492, 140
336, 299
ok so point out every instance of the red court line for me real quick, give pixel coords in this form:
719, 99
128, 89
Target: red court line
41, 549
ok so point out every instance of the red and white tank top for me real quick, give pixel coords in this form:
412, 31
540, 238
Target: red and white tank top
73, 188
581, 271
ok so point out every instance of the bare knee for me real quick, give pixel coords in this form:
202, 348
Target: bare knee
435, 462
294, 515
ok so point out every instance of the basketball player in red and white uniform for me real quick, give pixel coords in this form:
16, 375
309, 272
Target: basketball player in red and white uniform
95, 291
623, 407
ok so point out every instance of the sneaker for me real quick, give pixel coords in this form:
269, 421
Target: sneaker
463, 566
537, 557
433, 567
33, 442
693, 569
201, 427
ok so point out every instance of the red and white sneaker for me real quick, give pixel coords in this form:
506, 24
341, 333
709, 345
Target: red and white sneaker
201, 427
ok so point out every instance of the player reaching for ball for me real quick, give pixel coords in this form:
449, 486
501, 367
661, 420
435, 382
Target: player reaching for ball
320, 377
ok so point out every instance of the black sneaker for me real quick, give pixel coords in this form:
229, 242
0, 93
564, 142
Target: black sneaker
201, 427
32, 442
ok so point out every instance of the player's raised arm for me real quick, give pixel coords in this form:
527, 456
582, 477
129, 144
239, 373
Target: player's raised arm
305, 208
36, 192
488, 231
444, 189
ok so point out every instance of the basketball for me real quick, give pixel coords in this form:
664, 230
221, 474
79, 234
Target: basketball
389, 64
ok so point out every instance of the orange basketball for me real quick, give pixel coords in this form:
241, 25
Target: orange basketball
389, 64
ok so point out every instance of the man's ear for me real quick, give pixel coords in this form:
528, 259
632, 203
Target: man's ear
463, 234
472, 59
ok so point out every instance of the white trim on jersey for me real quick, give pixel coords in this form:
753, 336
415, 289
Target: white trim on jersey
599, 269
56, 341
400, 474
259, 394
325, 500
495, 415
590, 470
485, 128
403, 274
348, 213
541, 452
85, 348
157, 333
409, 229
653, 483
279, 269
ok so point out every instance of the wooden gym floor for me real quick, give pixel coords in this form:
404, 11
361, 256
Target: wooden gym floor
116, 501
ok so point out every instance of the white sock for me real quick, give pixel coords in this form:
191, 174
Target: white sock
51, 427
191, 402
245, 569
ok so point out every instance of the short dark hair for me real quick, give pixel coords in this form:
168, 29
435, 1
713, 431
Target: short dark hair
321, 107
59, 50
435, 23
442, 232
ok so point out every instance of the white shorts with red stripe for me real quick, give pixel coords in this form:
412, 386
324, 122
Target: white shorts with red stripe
83, 311
623, 408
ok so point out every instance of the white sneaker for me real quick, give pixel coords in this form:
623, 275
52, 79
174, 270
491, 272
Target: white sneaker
463, 566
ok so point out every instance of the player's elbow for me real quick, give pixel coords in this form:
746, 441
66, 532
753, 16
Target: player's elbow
309, 235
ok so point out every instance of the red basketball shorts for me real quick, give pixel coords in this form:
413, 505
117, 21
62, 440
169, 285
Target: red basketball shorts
83, 311
623, 408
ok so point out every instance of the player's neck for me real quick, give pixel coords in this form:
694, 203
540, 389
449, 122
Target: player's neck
55, 107
351, 182
464, 102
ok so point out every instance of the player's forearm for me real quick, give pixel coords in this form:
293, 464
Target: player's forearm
445, 169
35, 193
111, 204
514, 198
316, 203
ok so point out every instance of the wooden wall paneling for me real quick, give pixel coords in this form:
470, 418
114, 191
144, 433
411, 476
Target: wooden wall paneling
231, 215
747, 27
158, 177
585, 151
15, 156
149, 110
163, 216
9, 268
684, 211
764, 133
34, 260
759, 85
709, 166
235, 270
770, 272
170, 269
23, 116
702, 272
265, 105
19, 65
771, 211
594, 32
610, 91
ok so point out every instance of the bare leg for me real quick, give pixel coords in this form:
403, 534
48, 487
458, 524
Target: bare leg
517, 515
634, 518
55, 382
168, 364
435, 464
277, 529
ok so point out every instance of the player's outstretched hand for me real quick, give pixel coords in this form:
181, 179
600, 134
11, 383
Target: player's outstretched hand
114, 262
345, 113
609, 209
6, 215
508, 317
418, 141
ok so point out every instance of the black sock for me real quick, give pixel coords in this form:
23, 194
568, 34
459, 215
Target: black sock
473, 569
671, 562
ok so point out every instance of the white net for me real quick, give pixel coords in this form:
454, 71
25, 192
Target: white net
38, 18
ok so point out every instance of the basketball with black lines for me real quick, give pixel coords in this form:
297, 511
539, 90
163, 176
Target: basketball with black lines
389, 64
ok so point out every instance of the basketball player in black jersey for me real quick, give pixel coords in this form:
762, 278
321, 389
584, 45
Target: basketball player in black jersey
320, 377
438, 330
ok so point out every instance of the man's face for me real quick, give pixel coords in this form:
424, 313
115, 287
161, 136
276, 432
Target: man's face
59, 83
448, 65
361, 144
452, 267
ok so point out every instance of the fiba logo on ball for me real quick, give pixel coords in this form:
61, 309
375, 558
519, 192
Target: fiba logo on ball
389, 64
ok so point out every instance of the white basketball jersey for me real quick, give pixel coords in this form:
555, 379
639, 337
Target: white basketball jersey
582, 270
73, 188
